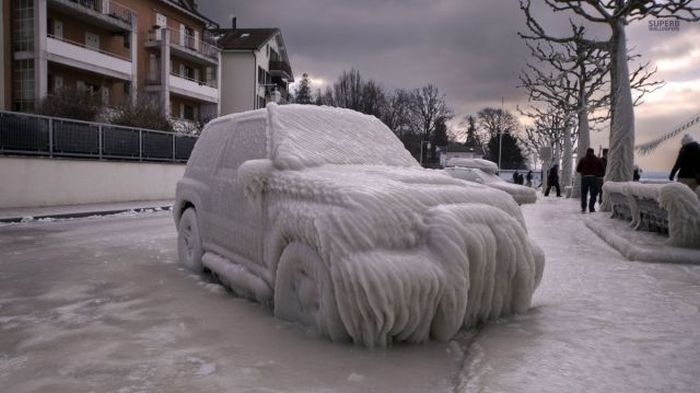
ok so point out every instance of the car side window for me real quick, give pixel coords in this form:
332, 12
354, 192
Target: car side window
206, 150
247, 141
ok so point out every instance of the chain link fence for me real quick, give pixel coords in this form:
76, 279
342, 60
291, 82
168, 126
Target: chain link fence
29, 134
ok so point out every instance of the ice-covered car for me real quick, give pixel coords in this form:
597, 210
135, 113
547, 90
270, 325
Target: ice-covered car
484, 172
322, 214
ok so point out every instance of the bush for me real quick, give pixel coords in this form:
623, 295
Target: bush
147, 112
72, 104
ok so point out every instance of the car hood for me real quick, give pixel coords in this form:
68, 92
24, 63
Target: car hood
373, 206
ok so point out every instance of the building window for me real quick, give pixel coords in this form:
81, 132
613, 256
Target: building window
23, 25
23, 85
188, 112
261, 102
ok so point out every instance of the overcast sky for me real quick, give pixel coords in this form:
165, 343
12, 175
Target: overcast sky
469, 49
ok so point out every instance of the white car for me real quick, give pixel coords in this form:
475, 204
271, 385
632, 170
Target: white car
484, 172
322, 214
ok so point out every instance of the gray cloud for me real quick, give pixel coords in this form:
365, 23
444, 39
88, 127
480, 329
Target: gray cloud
469, 49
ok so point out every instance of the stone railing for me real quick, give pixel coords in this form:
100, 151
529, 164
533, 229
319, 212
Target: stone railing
670, 208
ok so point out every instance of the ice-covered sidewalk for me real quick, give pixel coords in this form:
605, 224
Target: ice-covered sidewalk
17, 214
599, 323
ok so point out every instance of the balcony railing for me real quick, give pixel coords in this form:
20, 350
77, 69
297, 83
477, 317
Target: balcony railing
83, 45
186, 41
281, 66
110, 8
28, 134
200, 82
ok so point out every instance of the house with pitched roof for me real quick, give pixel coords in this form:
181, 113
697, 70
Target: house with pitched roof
255, 68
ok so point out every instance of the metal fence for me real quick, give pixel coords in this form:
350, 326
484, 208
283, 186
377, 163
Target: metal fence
29, 134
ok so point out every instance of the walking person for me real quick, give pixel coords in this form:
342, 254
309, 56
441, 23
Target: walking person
553, 180
591, 168
604, 161
688, 163
637, 174
529, 178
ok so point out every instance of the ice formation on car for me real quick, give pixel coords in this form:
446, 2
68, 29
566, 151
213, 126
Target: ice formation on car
521, 194
477, 163
362, 243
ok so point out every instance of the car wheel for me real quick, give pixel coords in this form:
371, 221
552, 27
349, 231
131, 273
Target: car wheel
304, 292
189, 243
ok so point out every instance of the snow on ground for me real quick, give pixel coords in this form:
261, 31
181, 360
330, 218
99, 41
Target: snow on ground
100, 305
599, 323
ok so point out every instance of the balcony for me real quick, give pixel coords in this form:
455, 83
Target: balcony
199, 90
77, 55
282, 69
109, 15
186, 46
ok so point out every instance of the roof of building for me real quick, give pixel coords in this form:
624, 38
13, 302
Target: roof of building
190, 7
245, 38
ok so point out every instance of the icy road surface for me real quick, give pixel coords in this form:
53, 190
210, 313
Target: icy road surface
599, 323
100, 305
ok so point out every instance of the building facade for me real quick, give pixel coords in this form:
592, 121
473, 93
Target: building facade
118, 50
255, 68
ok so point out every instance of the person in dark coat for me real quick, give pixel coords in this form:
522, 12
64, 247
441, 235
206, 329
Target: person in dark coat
637, 174
529, 178
688, 163
604, 161
591, 168
553, 180
516, 177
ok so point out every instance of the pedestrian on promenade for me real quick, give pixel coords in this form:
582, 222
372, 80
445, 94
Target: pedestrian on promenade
637, 174
688, 163
591, 169
604, 161
529, 178
553, 180
516, 177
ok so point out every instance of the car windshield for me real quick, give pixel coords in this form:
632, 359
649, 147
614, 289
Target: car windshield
307, 136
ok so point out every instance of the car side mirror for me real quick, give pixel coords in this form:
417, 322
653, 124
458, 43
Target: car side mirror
252, 177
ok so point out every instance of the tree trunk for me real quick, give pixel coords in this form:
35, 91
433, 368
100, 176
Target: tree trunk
566, 159
584, 142
621, 148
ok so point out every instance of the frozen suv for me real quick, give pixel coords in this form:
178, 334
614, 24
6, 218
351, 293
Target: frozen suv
322, 214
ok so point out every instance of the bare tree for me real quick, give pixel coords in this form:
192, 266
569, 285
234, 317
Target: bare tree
428, 106
397, 113
492, 121
617, 14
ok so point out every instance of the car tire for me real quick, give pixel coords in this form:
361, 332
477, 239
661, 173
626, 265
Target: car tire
189, 242
304, 292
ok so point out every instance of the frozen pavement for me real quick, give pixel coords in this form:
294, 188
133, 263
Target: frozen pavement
19, 214
99, 304
599, 323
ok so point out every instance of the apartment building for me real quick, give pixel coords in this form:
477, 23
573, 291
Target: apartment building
255, 68
116, 49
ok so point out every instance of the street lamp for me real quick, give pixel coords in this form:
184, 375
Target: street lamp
427, 143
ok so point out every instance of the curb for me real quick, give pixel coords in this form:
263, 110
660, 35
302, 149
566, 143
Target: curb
85, 213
